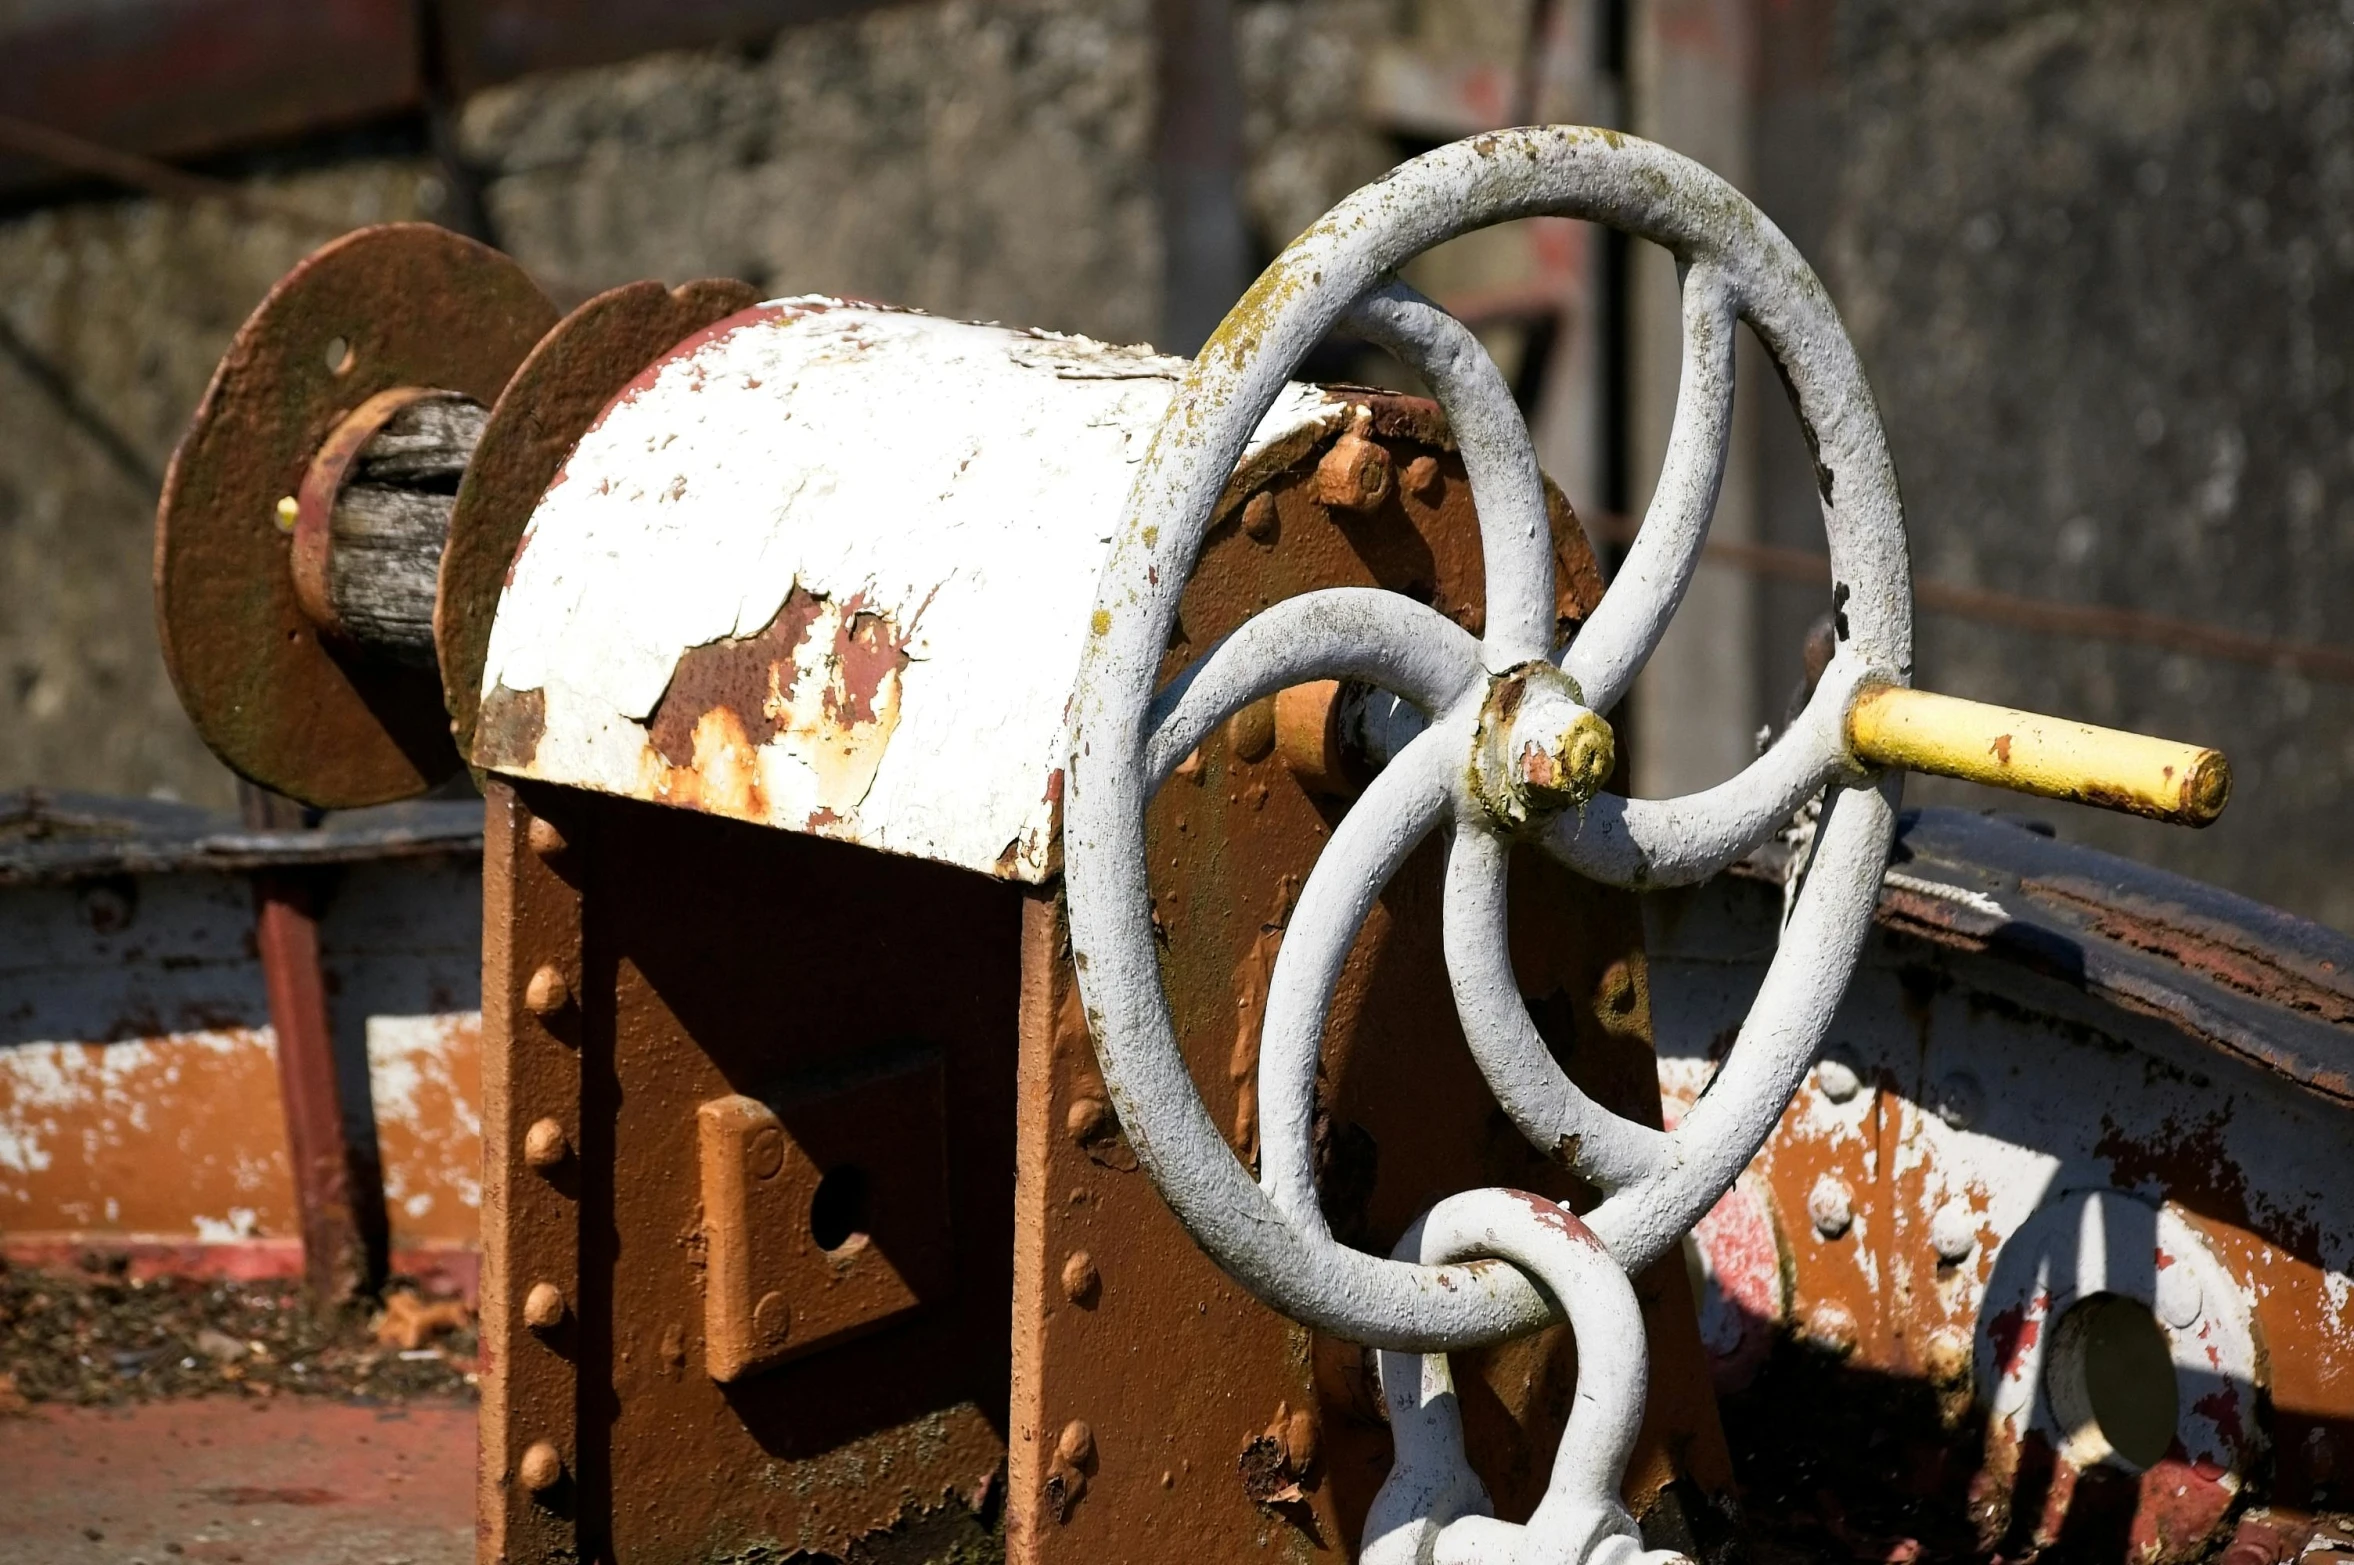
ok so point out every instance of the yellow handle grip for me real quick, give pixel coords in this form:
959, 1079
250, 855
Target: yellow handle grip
2048, 756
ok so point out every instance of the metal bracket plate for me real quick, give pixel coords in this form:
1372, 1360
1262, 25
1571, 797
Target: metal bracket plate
824, 1217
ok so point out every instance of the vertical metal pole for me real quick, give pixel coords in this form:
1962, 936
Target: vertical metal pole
1206, 253
336, 1253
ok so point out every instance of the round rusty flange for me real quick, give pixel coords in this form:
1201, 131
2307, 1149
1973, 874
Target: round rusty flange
402, 304
574, 373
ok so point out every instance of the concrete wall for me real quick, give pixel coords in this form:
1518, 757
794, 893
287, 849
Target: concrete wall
2097, 258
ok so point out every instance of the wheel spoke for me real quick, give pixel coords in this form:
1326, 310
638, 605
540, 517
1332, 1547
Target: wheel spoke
1650, 843
1402, 807
1778, 1041
1383, 638
1613, 645
1515, 533
1550, 1109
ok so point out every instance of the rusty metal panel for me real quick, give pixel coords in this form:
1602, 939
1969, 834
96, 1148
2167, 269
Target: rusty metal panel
2058, 1077
1160, 1412
528, 1505
716, 961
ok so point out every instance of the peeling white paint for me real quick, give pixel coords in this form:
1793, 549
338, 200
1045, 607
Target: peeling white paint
40, 1079
959, 481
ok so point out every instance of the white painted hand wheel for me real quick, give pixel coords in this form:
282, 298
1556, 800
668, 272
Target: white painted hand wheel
1514, 746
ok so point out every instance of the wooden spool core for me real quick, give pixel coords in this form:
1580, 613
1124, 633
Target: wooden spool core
391, 522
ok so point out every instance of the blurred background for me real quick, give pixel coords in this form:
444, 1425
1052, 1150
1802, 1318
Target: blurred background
2094, 252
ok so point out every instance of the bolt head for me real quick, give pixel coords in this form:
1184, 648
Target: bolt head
2180, 1298
1953, 1232
1960, 1100
1947, 1357
1831, 1207
544, 837
543, 1306
1354, 475
1076, 1444
772, 1318
547, 993
545, 1145
1086, 1118
1080, 1278
765, 1156
1251, 731
1832, 1327
1259, 521
1838, 1077
540, 1467
1539, 751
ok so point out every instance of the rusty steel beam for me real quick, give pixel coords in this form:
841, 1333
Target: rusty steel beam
338, 1247
338, 1192
179, 78
106, 90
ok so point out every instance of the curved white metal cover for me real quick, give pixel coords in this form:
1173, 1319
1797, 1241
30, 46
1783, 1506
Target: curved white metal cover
828, 567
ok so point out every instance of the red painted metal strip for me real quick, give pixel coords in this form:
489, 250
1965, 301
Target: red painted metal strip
335, 1250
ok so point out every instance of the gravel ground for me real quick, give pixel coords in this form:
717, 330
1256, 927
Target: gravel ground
101, 1339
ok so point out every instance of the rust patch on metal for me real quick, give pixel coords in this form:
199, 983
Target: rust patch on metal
2204, 949
512, 722
414, 305
816, 688
589, 358
751, 678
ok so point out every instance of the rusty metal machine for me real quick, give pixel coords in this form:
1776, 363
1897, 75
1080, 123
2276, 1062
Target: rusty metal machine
1061, 955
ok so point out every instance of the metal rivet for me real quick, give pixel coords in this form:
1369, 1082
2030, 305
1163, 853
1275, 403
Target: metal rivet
540, 1468
1947, 1357
1258, 518
543, 1307
1832, 1206
1299, 1440
547, 993
1422, 476
765, 1155
2180, 1298
772, 1318
1252, 730
1953, 1232
544, 836
1838, 1077
1080, 1278
544, 1144
1832, 1327
1077, 1443
1087, 1117
1960, 1100
1618, 988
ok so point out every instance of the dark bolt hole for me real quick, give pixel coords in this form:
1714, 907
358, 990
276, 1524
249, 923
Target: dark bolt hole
837, 1212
